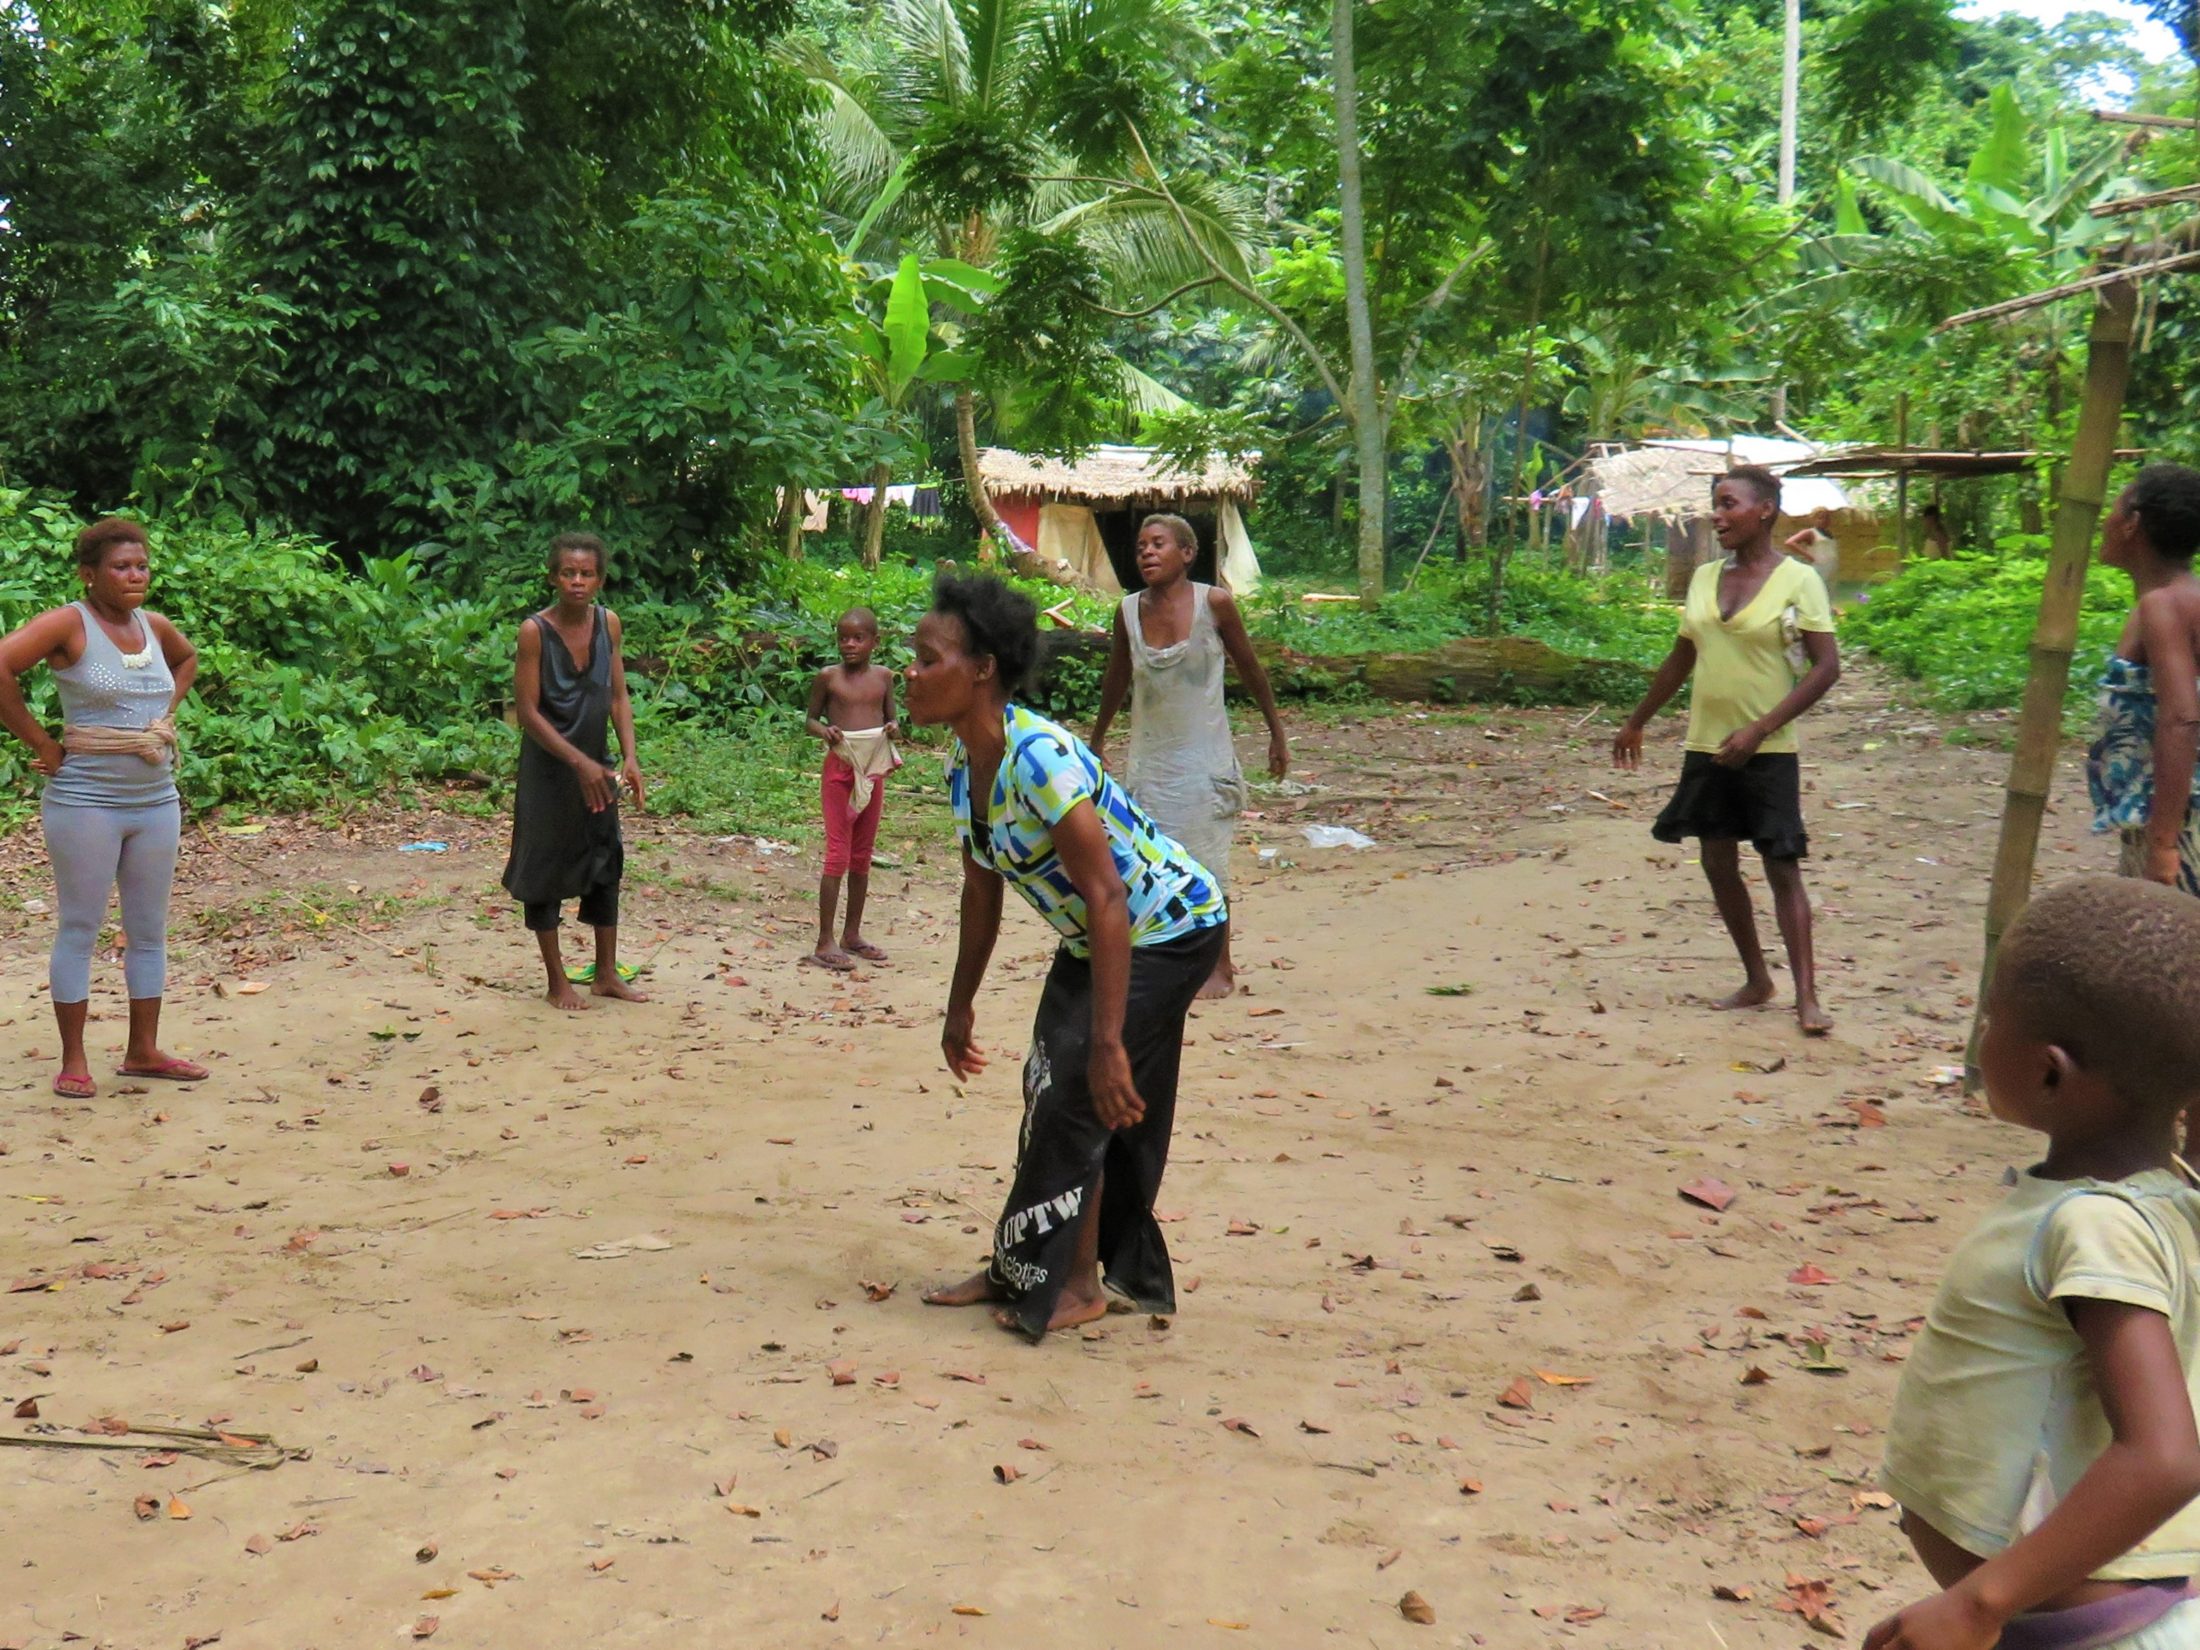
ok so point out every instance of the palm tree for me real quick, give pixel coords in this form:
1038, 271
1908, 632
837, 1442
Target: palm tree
950, 124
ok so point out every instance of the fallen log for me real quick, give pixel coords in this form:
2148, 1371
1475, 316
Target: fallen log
1509, 669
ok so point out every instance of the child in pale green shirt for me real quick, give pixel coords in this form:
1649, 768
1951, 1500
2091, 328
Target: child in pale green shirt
2043, 1446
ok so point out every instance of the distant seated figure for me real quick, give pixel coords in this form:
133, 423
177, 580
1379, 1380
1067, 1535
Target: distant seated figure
1939, 542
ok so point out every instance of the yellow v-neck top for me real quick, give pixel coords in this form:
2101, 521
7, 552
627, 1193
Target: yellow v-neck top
1742, 670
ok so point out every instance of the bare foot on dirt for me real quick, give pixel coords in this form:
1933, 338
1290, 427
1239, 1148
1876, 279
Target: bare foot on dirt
1753, 995
563, 996
831, 957
861, 947
1221, 983
1070, 1310
975, 1290
616, 987
1815, 1021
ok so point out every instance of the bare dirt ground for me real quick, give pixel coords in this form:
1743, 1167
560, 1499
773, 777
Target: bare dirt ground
1447, 1324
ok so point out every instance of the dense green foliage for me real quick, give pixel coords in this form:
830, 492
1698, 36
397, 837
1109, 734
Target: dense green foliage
361, 300
1963, 627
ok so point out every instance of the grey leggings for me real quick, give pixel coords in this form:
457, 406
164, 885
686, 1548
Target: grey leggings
92, 850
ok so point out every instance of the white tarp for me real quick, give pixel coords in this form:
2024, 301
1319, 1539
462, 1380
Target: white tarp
1239, 567
1068, 532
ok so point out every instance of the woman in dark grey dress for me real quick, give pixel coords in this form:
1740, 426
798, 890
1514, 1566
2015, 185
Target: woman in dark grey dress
569, 683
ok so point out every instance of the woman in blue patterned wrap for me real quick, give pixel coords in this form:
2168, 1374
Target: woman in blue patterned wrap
1141, 925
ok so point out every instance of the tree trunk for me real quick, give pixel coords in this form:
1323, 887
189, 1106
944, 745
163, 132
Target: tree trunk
1026, 562
1469, 480
1365, 411
2039, 723
874, 515
1499, 552
966, 449
1680, 560
793, 506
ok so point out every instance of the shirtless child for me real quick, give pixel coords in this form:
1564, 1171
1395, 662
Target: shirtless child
852, 710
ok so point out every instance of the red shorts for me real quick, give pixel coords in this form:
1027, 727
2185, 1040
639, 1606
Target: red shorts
849, 836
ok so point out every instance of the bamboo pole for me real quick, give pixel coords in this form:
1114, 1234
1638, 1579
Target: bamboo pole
2039, 725
1902, 482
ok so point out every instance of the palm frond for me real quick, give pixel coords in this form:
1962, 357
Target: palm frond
1142, 242
928, 54
858, 150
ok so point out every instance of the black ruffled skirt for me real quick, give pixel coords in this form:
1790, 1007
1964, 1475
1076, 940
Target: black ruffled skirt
1760, 802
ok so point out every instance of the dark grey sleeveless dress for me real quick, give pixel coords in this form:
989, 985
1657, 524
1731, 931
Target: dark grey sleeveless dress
560, 850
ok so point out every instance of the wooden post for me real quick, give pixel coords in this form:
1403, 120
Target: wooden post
1902, 480
2039, 725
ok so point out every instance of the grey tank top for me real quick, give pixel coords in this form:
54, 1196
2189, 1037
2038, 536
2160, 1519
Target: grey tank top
107, 688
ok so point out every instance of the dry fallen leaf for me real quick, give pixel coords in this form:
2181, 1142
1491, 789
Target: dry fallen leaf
1712, 1193
831, 1612
1470, 1486
1006, 1474
436, 1594
1518, 1396
1755, 1376
425, 1627
1418, 1610
27, 1410
970, 1610
177, 1509
146, 1506
1552, 1378
1237, 1424
1809, 1275
843, 1373
1737, 1593
310, 1366
875, 1292
740, 1511
599, 1565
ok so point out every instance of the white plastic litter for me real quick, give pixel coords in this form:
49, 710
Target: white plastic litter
1335, 836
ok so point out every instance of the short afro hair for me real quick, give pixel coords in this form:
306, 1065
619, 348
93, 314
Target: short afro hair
998, 621
2166, 499
1185, 534
93, 543
580, 544
2108, 970
1756, 478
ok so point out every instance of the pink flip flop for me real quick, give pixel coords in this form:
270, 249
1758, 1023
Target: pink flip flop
75, 1088
171, 1070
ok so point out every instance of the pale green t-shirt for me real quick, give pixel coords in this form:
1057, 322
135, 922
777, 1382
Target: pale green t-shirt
1742, 667
1996, 1417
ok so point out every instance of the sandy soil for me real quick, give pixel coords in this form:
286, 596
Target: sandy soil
1448, 1325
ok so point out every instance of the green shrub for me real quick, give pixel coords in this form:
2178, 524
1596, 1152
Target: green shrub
1963, 627
1613, 619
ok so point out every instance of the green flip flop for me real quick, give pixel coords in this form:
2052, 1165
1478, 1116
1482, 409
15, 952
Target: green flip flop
585, 973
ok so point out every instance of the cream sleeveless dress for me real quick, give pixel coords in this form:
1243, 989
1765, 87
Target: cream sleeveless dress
1183, 766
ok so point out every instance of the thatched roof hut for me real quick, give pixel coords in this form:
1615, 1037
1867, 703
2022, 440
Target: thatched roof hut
1087, 513
1122, 477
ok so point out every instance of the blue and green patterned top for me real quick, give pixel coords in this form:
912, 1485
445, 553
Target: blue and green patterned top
1045, 772
2119, 769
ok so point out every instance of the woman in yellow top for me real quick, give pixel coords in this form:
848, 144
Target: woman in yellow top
1740, 778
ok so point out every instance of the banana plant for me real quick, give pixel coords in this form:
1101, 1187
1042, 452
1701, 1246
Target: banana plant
903, 347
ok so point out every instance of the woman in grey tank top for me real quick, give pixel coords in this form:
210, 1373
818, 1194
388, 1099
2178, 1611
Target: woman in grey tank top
110, 809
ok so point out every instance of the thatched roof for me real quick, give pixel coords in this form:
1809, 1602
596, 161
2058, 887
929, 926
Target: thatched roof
1673, 478
1116, 475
